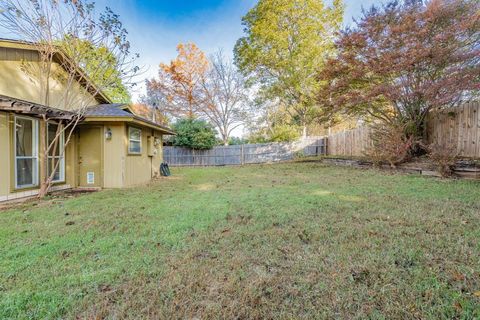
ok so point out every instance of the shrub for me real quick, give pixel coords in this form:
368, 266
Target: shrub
195, 134
284, 133
390, 144
443, 158
235, 141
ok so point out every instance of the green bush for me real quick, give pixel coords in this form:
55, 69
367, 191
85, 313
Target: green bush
195, 134
285, 133
235, 141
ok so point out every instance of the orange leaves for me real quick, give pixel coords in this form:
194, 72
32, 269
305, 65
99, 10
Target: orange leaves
180, 81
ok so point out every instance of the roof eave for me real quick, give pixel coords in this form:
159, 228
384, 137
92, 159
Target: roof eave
132, 119
29, 108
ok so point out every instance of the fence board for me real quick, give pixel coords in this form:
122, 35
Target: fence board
244, 154
459, 126
349, 143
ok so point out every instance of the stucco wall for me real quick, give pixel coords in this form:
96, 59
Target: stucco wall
21, 79
4, 155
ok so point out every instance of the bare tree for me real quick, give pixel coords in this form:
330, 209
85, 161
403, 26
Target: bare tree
225, 96
59, 30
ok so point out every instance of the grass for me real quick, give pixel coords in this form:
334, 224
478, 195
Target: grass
258, 242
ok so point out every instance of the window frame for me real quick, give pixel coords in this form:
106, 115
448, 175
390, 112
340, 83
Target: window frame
130, 140
35, 155
61, 155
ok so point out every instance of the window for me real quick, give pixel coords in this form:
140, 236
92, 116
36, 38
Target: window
26, 152
56, 154
134, 140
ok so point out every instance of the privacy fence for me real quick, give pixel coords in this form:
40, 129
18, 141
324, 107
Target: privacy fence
458, 127
244, 154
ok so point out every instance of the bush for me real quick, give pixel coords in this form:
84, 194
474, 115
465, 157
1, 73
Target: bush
235, 141
390, 144
284, 133
443, 158
194, 134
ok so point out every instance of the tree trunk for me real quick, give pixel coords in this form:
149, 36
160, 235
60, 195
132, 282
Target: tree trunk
304, 132
44, 188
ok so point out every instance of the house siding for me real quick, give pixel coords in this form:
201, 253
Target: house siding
141, 169
5, 156
7, 174
21, 79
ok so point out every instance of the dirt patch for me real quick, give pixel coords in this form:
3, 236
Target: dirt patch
52, 199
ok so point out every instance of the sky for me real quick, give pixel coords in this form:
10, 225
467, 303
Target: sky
156, 26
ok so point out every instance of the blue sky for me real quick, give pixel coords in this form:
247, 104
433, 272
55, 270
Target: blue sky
157, 26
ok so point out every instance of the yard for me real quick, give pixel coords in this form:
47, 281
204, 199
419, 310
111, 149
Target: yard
284, 241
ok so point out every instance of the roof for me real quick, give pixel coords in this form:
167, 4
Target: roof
61, 58
30, 108
108, 110
120, 112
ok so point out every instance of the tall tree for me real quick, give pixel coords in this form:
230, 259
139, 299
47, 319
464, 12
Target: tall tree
286, 43
225, 97
179, 83
46, 24
405, 59
100, 58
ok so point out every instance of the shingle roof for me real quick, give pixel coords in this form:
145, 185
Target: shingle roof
108, 110
115, 110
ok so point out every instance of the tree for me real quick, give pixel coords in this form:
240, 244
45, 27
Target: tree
179, 83
224, 94
93, 57
149, 112
405, 59
286, 43
46, 24
194, 133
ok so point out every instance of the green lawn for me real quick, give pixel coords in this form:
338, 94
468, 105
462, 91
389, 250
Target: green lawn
285, 241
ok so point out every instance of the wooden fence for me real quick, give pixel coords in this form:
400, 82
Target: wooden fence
349, 143
459, 127
244, 154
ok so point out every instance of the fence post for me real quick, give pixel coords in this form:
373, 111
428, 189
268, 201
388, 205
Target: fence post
325, 145
242, 154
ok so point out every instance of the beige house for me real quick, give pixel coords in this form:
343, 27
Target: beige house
111, 148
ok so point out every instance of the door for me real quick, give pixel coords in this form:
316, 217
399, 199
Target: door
90, 157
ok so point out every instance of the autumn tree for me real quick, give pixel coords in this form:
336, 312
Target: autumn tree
286, 43
405, 59
179, 84
224, 96
150, 112
45, 25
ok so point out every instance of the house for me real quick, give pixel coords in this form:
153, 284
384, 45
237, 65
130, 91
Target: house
111, 148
